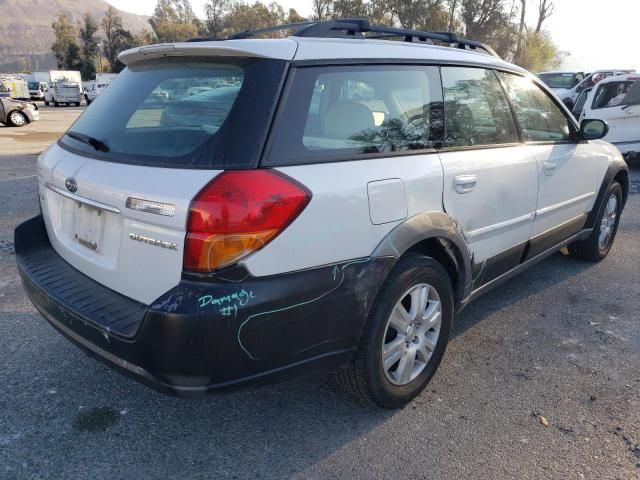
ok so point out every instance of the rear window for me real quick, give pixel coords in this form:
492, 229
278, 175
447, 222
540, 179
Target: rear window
560, 80
343, 112
182, 112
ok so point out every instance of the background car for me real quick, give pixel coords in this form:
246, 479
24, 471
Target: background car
561, 82
616, 100
569, 97
16, 113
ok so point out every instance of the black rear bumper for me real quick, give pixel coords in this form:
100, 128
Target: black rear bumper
209, 334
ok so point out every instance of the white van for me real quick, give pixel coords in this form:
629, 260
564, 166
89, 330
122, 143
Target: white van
616, 100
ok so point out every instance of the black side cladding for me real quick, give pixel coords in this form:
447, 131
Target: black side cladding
90, 301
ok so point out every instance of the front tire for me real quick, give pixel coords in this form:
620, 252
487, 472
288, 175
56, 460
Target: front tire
405, 336
597, 245
17, 119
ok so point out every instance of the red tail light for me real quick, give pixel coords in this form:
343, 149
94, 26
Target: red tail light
237, 213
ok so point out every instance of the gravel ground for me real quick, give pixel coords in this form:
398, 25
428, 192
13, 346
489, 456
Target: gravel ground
541, 380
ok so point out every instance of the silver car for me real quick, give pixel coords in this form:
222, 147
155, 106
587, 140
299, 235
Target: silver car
16, 113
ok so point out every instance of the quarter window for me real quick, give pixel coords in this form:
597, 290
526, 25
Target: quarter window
476, 109
540, 118
333, 113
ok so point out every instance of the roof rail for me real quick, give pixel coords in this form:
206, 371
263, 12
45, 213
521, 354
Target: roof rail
356, 28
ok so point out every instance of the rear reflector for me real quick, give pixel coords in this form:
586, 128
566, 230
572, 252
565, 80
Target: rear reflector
237, 213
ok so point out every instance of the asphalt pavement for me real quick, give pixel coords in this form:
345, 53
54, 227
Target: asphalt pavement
541, 381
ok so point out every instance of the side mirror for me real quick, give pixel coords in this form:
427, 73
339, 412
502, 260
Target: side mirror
593, 129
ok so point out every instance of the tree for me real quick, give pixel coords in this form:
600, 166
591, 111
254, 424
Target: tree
294, 17
88, 45
349, 9
321, 9
116, 39
216, 11
419, 14
244, 16
145, 37
523, 13
453, 7
539, 52
65, 36
72, 58
174, 21
545, 9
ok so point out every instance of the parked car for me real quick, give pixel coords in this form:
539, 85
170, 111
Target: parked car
616, 100
561, 82
345, 203
569, 97
95, 87
16, 113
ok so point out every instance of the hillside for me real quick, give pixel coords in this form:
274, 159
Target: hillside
25, 27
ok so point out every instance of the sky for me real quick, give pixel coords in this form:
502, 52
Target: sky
596, 34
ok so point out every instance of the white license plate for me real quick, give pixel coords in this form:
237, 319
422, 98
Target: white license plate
89, 226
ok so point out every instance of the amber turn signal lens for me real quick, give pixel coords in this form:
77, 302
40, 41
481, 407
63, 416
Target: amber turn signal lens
237, 213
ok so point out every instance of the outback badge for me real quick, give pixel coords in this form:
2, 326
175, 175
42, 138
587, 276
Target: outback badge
153, 241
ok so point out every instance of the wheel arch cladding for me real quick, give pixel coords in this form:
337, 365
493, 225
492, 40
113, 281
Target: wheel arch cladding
622, 177
617, 171
436, 235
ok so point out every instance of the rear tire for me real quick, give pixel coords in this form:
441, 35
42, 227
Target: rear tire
56, 104
46, 102
378, 375
597, 245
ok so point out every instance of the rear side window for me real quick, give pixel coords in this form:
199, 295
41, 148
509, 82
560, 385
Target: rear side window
476, 109
333, 113
540, 118
182, 112
615, 94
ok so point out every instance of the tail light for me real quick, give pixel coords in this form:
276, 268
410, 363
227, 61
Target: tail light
237, 213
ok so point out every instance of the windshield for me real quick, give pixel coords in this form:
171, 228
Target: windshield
34, 86
182, 112
560, 80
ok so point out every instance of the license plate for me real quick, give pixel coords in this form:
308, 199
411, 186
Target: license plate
89, 226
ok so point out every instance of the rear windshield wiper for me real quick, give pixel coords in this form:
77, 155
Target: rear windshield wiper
99, 145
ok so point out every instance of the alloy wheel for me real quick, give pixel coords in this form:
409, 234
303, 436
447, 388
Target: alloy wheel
411, 334
18, 119
608, 222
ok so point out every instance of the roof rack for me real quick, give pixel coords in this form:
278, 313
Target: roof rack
356, 28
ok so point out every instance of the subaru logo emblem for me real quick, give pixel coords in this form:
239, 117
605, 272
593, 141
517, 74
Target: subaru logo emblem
71, 184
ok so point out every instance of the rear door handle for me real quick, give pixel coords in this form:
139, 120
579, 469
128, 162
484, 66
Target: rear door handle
550, 167
465, 183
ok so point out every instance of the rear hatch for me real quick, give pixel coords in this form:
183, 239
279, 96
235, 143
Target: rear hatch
116, 189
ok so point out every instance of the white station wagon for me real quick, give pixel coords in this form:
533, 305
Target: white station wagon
324, 202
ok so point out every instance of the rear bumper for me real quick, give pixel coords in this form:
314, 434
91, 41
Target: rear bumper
206, 335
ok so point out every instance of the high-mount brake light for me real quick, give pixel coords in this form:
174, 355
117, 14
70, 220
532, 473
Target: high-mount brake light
237, 213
